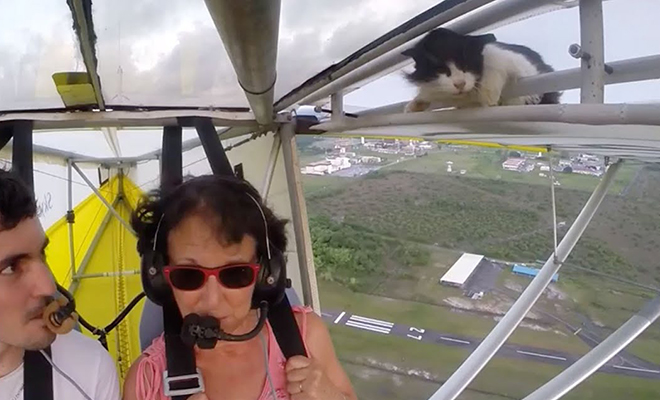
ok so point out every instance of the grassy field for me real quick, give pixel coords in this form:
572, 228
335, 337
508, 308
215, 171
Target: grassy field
487, 164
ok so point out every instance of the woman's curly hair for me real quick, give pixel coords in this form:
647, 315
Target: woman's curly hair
224, 202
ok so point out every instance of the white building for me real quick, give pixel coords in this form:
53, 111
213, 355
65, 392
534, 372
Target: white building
462, 270
513, 164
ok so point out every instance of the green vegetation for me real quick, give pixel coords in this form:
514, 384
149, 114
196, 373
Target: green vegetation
348, 254
382, 241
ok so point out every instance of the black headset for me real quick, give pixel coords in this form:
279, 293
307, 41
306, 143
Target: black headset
271, 282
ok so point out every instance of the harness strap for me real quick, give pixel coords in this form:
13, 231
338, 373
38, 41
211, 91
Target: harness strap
37, 376
285, 328
181, 378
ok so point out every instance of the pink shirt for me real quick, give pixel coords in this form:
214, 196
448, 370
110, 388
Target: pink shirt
155, 363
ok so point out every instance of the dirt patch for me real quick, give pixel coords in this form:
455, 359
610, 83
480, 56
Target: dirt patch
497, 307
554, 293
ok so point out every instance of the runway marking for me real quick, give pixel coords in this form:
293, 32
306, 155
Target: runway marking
529, 353
325, 314
372, 321
367, 327
454, 340
637, 369
340, 317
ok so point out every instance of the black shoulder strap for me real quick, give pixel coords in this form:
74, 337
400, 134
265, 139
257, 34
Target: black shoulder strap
285, 329
37, 376
181, 365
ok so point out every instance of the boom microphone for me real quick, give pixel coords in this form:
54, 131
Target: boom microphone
60, 315
205, 331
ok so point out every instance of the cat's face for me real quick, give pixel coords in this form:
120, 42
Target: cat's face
450, 62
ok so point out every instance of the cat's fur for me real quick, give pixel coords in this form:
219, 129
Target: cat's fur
471, 71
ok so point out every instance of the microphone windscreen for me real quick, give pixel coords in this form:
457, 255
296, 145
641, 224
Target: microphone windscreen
190, 322
59, 327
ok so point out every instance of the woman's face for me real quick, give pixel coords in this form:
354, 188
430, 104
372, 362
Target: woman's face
195, 242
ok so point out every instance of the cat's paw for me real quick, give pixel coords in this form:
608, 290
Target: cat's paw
417, 106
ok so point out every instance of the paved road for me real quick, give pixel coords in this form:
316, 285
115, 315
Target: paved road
377, 326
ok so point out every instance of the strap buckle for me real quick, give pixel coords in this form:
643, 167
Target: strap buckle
172, 392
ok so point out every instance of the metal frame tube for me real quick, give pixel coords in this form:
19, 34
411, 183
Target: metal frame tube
272, 163
249, 30
332, 81
125, 119
87, 50
593, 67
362, 70
631, 70
107, 274
92, 247
22, 159
70, 218
496, 338
337, 106
213, 148
299, 214
589, 114
598, 356
103, 200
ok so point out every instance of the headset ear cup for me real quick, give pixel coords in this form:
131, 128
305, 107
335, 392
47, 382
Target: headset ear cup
153, 280
271, 284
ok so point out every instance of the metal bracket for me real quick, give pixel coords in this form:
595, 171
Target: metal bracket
575, 51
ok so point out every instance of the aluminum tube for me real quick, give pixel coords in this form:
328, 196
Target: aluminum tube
107, 274
72, 251
598, 356
312, 92
593, 67
272, 162
337, 106
589, 114
464, 375
631, 70
249, 29
299, 216
92, 247
362, 69
103, 200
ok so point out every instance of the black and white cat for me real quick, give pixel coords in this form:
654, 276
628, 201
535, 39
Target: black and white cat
464, 71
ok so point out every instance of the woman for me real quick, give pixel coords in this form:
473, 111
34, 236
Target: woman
213, 224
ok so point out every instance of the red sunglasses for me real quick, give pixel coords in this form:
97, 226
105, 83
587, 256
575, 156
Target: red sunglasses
193, 277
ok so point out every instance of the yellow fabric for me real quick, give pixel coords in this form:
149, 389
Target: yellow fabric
100, 299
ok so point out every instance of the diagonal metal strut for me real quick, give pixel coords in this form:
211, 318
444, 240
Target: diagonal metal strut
496, 338
103, 200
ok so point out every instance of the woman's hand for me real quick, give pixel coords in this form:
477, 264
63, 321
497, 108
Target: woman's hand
306, 380
198, 396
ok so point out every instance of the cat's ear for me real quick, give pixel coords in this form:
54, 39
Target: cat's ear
409, 52
485, 39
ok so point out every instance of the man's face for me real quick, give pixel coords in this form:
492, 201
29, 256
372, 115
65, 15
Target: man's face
26, 286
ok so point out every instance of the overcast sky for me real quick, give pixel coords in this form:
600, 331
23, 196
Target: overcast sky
167, 52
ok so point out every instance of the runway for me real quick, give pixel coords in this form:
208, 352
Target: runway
617, 365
